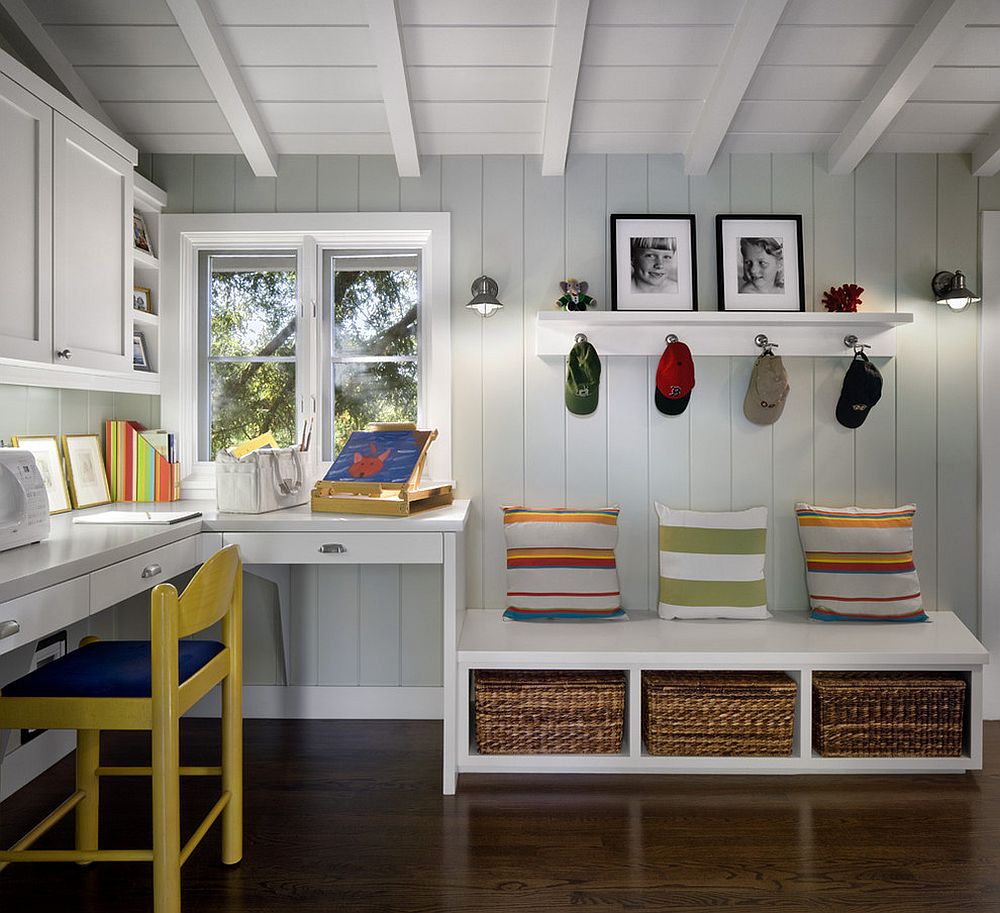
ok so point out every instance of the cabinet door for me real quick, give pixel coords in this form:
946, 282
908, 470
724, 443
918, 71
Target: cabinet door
92, 252
25, 224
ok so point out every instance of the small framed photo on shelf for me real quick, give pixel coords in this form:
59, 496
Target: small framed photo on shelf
140, 355
88, 482
45, 447
653, 263
760, 263
142, 299
140, 236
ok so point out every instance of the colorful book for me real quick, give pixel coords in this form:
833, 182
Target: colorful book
139, 463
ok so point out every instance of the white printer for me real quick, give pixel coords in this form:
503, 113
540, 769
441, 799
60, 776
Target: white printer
24, 504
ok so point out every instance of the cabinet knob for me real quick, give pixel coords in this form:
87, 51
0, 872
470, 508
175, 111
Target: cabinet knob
9, 628
332, 548
64, 353
151, 570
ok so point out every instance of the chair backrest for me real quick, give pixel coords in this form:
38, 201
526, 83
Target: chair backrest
210, 594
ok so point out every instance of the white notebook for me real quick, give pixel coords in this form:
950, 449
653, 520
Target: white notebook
121, 517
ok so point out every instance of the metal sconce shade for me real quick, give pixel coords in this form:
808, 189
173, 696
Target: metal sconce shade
950, 288
484, 297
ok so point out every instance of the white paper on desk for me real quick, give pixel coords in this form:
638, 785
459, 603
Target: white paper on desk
123, 517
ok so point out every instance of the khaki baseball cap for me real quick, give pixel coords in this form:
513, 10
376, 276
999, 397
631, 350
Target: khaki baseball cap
767, 390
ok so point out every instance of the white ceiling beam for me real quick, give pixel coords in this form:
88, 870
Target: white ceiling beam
387, 45
197, 22
986, 157
753, 30
35, 34
937, 30
567, 50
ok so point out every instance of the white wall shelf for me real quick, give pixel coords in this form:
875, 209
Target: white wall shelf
810, 333
69, 377
150, 200
146, 261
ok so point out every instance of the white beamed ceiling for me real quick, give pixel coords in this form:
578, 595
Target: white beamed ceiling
478, 74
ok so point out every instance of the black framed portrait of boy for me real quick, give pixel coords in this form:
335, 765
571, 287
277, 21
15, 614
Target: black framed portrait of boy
653, 263
760, 263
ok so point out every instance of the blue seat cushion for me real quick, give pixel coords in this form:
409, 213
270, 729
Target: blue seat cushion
108, 668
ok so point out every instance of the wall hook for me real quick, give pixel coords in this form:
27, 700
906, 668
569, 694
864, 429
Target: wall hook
580, 337
762, 342
671, 338
852, 342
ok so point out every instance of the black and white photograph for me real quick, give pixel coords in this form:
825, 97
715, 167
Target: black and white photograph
653, 263
760, 263
140, 354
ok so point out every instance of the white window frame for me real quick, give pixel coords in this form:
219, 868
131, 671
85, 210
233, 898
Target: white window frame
184, 236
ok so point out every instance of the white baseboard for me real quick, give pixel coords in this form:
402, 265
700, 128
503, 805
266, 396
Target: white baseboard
320, 702
25, 763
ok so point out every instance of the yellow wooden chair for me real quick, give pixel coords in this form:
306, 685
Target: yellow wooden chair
146, 685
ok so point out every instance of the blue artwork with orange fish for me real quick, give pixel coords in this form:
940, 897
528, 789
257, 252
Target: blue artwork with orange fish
378, 456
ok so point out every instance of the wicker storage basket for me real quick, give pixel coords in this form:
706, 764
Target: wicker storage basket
888, 714
549, 712
720, 714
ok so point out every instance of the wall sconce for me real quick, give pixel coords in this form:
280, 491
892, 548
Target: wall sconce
950, 288
484, 297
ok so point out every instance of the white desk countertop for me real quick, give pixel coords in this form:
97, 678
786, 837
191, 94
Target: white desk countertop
74, 549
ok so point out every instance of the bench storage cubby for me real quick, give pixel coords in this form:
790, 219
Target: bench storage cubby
888, 714
718, 714
543, 712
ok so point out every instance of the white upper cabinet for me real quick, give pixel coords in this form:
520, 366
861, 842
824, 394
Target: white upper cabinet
92, 267
25, 224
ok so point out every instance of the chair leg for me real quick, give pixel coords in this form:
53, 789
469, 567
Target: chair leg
88, 759
232, 770
166, 818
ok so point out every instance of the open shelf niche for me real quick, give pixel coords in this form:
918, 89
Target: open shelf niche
149, 201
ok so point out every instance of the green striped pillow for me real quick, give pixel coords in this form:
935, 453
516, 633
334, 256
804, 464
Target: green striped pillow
712, 563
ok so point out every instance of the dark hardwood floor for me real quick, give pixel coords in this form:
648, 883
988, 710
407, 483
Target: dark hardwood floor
348, 816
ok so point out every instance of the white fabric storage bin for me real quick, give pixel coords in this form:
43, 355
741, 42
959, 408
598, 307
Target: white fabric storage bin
261, 481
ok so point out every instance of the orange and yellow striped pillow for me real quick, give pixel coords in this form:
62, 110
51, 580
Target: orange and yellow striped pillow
859, 563
561, 563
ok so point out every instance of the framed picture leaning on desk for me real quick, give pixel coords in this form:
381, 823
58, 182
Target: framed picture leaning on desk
88, 482
45, 447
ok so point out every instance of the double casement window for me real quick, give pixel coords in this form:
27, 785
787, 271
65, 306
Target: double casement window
281, 331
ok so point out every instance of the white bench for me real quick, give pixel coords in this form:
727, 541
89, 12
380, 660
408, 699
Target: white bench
789, 642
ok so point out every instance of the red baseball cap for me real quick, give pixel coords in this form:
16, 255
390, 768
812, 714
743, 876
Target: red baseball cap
674, 379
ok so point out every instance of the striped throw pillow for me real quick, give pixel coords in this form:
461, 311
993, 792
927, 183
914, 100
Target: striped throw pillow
859, 563
712, 563
561, 563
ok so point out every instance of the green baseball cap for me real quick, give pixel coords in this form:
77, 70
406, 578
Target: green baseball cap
583, 377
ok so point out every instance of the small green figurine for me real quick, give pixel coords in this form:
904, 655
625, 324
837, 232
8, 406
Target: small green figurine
574, 297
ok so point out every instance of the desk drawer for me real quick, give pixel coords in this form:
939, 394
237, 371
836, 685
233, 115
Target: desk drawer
119, 581
44, 612
338, 548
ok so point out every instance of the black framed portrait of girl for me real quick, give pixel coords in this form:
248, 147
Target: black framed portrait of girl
760, 263
653, 263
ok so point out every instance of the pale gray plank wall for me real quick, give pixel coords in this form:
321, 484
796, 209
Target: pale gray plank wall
887, 227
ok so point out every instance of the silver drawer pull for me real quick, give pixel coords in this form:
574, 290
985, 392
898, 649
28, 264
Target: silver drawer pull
9, 628
151, 570
332, 548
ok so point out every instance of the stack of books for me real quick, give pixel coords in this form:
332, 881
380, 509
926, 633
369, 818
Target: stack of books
142, 465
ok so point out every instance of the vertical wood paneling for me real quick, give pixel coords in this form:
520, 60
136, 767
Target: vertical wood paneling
750, 183
297, 187
379, 639
422, 639
253, 194
378, 184
668, 185
462, 196
503, 368
957, 451
586, 258
337, 183
875, 271
711, 439
422, 194
833, 252
916, 359
303, 623
214, 183
627, 391
544, 404
339, 624
709, 196
175, 174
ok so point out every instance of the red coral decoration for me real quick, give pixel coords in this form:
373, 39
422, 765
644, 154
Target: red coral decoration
843, 299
